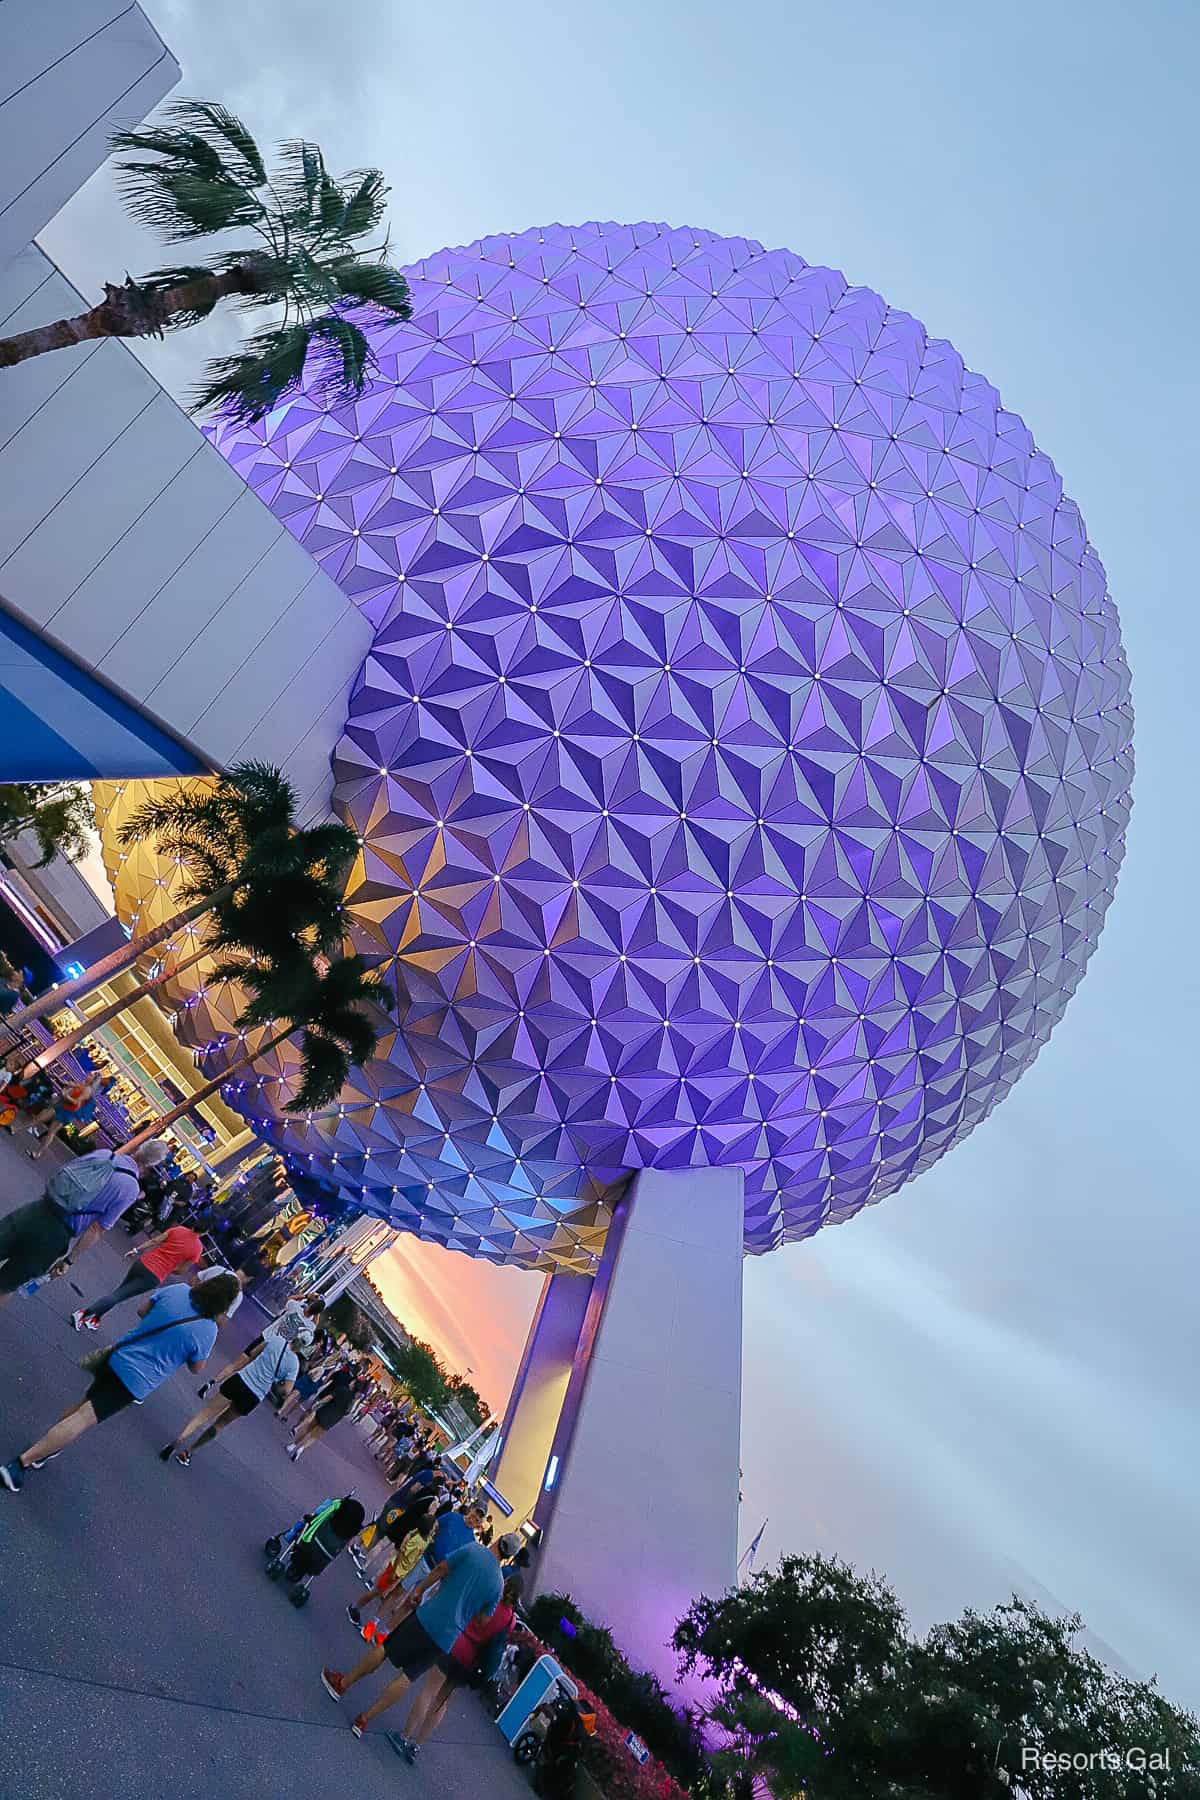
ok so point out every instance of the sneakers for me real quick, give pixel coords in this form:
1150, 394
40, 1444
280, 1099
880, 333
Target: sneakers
12, 1475
404, 1746
353, 1614
333, 1683
84, 1320
183, 1458
295, 1452
205, 1389
166, 1453
42, 1461
359, 1725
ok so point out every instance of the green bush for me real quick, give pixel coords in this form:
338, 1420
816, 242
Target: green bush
635, 1697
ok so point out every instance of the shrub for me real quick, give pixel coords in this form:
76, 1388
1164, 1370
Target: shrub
637, 1699
605, 1753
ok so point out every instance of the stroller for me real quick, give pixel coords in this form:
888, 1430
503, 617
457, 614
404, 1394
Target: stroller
551, 1744
309, 1546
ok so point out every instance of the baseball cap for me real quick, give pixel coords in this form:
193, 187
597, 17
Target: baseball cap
509, 1544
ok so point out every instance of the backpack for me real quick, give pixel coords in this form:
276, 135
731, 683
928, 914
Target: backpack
72, 1187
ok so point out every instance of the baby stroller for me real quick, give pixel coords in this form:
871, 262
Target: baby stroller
306, 1548
552, 1741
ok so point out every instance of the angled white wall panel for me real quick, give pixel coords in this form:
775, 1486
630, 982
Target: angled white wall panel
144, 557
71, 73
62, 441
165, 631
128, 541
58, 555
228, 640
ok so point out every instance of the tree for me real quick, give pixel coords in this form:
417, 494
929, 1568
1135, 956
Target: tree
421, 1372
350, 1320
198, 173
323, 1000
60, 817
823, 1691
242, 859
458, 1388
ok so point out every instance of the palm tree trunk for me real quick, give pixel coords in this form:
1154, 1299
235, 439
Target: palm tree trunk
115, 961
127, 312
167, 1119
63, 1046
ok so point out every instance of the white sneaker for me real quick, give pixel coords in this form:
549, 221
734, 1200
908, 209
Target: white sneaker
84, 1321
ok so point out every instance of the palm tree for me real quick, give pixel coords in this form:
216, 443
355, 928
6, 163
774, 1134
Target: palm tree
267, 883
198, 173
58, 813
323, 1000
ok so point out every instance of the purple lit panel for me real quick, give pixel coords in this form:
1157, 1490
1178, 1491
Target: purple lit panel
743, 760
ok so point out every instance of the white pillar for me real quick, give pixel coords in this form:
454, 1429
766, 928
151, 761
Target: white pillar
640, 1510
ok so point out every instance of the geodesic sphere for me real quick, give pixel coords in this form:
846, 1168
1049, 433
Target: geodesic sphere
743, 759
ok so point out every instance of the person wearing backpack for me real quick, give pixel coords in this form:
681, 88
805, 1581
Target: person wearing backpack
273, 1370
179, 1325
82, 1199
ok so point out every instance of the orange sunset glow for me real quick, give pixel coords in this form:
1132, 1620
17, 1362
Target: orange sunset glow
475, 1315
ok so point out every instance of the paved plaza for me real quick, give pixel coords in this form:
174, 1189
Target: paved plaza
144, 1652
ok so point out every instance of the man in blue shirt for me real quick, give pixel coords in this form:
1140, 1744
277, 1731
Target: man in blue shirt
466, 1586
454, 1529
178, 1326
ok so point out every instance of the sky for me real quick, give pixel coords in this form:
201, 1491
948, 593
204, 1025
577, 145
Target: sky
989, 1381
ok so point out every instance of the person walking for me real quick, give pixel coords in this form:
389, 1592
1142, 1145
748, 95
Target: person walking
473, 1660
295, 1326
466, 1587
82, 1199
179, 1325
333, 1402
317, 1365
176, 1252
273, 1370
76, 1105
405, 1529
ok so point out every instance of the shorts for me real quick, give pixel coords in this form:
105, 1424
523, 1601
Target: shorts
387, 1580
31, 1240
330, 1414
108, 1394
453, 1671
243, 1399
410, 1648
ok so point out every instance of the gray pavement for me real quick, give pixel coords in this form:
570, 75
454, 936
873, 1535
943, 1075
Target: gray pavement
143, 1652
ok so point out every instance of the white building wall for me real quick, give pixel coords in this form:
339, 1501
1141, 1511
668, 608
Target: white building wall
642, 1515
71, 73
128, 542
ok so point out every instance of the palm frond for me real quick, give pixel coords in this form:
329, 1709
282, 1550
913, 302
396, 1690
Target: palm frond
311, 281
363, 204
331, 845
355, 1032
177, 203
264, 793
225, 132
374, 284
251, 383
326, 1069
298, 183
343, 357
184, 147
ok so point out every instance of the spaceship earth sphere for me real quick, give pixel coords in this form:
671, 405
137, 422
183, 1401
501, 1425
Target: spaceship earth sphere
742, 762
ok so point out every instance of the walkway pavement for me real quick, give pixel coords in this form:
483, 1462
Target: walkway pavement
143, 1651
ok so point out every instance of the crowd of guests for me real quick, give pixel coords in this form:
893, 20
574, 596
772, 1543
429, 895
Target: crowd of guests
441, 1588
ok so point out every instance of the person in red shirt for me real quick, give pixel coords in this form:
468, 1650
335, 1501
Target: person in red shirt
172, 1255
474, 1658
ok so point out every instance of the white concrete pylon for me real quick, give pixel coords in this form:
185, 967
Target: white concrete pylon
638, 1491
